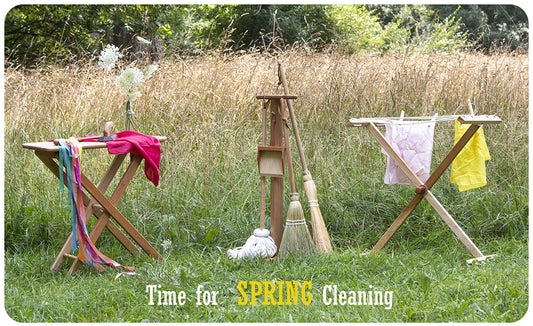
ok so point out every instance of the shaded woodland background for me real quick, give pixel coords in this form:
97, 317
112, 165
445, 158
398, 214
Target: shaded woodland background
61, 34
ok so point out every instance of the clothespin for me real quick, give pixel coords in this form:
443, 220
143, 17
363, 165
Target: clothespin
402, 114
471, 108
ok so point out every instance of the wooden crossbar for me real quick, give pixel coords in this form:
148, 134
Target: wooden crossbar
463, 119
422, 189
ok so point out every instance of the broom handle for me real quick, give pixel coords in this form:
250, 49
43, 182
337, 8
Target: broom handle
263, 181
288, 148
291, 113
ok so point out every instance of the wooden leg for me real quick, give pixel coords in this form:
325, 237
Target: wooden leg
453, 225
409, 173
397, 223
48, 159
276, 184
441, 168
103, 219
117, 215
64, 253
107, 207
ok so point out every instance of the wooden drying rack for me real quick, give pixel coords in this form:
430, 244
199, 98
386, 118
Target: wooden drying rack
422, 189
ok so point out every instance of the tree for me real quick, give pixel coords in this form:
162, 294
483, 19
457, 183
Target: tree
64, 33
490, 26
59, 33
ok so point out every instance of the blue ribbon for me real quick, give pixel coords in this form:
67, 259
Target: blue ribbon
65, 159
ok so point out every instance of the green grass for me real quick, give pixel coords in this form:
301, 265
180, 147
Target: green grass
208, 198
431, 284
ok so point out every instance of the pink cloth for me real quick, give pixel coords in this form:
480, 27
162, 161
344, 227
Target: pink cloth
146, 146
414, 143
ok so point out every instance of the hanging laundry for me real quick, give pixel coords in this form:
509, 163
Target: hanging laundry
468, 168
414, 143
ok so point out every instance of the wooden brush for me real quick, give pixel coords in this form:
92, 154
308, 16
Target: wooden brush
107, 136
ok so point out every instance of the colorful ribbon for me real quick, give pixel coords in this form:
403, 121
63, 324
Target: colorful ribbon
69, 160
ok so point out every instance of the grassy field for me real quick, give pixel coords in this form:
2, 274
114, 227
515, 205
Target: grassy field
208, 197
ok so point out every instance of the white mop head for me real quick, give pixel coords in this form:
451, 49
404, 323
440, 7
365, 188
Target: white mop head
258, 244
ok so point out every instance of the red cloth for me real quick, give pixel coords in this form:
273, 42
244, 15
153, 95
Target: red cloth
146, 146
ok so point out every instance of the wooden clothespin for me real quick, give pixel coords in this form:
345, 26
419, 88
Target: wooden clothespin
471, 108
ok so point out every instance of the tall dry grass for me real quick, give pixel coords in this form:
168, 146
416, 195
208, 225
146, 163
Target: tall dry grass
206, 107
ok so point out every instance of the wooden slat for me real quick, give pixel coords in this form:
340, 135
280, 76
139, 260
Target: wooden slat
353, 122
276, 183
49, 146
117, 215
447, 218
479, 119
275, 97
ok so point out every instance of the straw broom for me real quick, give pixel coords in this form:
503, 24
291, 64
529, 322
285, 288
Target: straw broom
296, 237
320, 233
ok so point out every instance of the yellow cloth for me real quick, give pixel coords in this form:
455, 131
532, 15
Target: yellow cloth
468, 168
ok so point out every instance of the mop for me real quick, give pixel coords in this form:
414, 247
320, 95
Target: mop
260, 243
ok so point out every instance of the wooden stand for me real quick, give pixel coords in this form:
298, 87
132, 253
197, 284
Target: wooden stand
275, 164
423, 189
98, 204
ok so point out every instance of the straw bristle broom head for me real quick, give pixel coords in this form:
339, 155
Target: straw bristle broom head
320, 233
296, 237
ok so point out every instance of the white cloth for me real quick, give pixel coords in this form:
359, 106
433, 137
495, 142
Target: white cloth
414, 143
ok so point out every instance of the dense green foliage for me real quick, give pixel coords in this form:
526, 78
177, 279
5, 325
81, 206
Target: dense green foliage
59, 33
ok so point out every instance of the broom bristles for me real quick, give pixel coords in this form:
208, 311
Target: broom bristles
296, 237
320, 232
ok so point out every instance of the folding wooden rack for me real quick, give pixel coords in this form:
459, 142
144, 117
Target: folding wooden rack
422, 189
98, 204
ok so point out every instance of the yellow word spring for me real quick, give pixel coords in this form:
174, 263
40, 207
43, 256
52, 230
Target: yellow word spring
279, 293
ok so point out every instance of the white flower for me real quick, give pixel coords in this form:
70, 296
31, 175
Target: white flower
109, 56
149, 70
166, 244
129, 78
143, 40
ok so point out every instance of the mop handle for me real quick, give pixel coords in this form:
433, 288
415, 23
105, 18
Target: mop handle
281, 72
263, 181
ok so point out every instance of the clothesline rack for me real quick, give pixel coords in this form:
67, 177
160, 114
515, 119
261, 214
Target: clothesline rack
422, 189
464, 119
